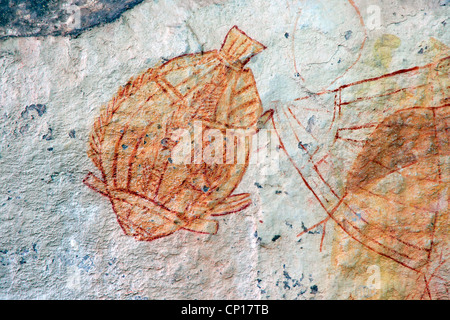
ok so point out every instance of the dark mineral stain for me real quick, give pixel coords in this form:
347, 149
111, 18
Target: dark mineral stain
314, 289
310, 231
286, 35
72, 134
311, 122
39, 108
165, 142
49, 135
19, 18
258, 185
276, 237
348, 34
23, 129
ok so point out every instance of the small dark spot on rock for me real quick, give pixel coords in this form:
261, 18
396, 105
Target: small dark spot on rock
72, 134
49, 135
50, 149
311, 123
286, 275
277, 191
420, 51
205, 189
348, 34
286, 35
276, 237
124, 146
314, 289
258, 185
24, 129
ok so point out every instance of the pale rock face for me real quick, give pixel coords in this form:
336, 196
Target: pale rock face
61, 240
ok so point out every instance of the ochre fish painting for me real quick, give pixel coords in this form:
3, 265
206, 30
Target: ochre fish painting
132, 141
383, 178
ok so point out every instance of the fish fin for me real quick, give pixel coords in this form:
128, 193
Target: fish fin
265, 117
208, 226
232, 204
96, 184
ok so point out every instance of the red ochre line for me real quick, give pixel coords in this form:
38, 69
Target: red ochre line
381, 95
334, 112
365, 126
350, 140
401, 71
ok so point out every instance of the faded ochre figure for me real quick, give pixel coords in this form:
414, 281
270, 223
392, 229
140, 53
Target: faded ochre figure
383, 51
132, 142
400, 183
383, 180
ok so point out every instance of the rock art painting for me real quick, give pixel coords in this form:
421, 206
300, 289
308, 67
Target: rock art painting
224, 150
392, 196
133, 142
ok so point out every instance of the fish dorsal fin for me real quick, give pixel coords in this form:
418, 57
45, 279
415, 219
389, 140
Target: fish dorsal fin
238, 48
